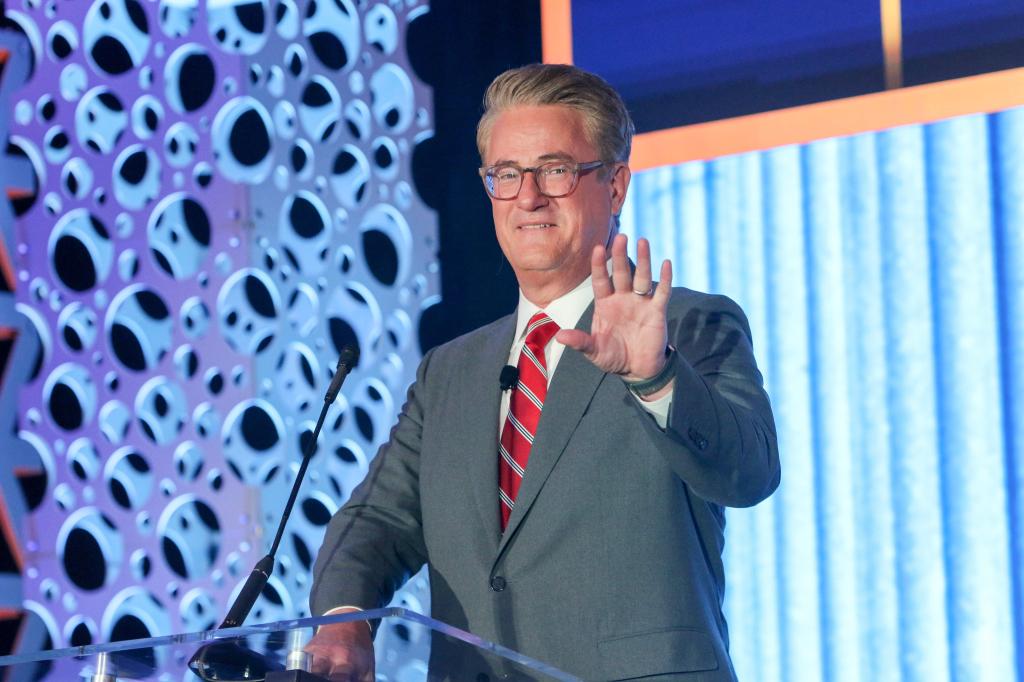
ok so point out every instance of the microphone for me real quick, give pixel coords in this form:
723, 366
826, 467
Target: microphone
509, 377
346, 362
205, 662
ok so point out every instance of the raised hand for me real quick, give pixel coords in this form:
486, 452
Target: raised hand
629, 332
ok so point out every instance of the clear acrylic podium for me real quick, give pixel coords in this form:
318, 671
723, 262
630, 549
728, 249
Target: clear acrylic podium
271, 652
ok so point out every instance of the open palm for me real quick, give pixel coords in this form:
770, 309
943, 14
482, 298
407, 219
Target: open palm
629, 333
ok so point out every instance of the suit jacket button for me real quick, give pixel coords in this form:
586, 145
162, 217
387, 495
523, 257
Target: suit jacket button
498, 583
698, 438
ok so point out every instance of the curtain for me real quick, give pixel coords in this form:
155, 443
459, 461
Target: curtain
883, 276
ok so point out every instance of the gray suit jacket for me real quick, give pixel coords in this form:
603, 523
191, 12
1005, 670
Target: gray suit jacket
611, 565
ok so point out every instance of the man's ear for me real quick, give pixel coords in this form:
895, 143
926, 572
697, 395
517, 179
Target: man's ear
619, 184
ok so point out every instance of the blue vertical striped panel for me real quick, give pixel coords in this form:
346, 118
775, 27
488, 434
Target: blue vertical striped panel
970, 409
1007, 143
914, 436
883, 275
789, 359
870, 432
831, 416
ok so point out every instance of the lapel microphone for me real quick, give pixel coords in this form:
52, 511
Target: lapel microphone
509, 377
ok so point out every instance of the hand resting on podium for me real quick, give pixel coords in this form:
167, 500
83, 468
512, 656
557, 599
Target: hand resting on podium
343, 652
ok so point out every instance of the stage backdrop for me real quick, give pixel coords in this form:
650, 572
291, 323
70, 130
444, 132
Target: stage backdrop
210, 199
883, 275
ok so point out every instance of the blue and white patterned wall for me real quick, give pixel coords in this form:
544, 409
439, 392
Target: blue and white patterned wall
883, 275
212, 197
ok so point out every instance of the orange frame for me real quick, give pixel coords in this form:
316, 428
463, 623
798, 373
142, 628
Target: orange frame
798, 125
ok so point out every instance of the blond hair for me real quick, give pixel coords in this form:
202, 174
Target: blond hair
606, 121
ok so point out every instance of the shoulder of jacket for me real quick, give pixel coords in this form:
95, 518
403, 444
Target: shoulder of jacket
472, 340
684, 299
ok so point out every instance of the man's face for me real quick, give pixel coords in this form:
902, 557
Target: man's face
549, 241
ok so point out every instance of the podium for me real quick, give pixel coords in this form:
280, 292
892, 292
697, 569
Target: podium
273, 652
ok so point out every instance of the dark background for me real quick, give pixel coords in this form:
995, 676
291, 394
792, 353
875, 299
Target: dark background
458, 48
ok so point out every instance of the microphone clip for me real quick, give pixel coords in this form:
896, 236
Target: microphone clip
509, 377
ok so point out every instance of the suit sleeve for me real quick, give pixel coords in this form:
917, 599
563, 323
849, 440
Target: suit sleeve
374, 543
721, 438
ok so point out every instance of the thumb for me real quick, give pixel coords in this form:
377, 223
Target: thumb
576, 339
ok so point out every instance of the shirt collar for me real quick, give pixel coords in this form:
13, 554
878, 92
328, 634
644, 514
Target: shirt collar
566, 310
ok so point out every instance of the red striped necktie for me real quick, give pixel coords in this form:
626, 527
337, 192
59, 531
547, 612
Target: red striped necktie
524, 411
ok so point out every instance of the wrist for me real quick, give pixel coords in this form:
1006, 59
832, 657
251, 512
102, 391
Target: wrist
647, 388
345, 609
657, 395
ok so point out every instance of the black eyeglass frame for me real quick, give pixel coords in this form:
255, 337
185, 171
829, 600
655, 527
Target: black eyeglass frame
488, 172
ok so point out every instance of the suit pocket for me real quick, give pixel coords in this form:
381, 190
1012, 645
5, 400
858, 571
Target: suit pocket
657, 652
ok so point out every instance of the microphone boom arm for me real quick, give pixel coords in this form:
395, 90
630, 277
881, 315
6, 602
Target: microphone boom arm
257, 580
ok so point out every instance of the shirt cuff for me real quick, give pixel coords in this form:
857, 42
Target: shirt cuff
658, 409
346, 609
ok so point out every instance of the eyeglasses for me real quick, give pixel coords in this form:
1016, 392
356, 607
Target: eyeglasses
554, 179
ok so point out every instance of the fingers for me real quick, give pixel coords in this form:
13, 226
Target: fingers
342, 668
576, 339
601, 283
345, 675
341, 675
342, 651
338, 675
664, 290
642, 276
622, 278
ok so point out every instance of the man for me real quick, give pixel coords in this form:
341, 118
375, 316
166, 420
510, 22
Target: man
578, 517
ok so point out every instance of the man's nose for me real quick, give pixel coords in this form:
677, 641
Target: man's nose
530, 196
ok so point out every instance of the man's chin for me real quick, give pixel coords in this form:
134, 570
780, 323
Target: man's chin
549, 273
535, 267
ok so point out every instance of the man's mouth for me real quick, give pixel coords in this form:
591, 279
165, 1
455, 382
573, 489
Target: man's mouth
536, 226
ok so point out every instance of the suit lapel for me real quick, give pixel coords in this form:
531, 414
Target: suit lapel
571, 390
479, 442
